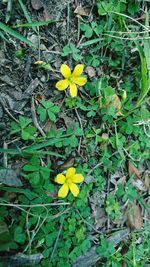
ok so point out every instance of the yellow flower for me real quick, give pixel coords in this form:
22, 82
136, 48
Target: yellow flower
71, 79
68, 182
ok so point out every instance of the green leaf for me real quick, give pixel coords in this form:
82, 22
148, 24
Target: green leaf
19, 236
34, 178
51, 116
30, 168
25, 135
88, 31
55, 109
50, 238
24, 122
42, 112
15, 34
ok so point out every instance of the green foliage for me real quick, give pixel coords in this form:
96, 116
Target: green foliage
90, 135
105, 249
47, 108
113, 208
70, 49
24, 127
35, 173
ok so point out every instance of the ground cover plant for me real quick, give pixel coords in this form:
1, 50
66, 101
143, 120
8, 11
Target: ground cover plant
75, 133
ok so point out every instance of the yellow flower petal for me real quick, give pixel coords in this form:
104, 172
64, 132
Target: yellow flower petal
78, 70
63, 191
74, 189
70, 172
62, 85
65, 71
77, 178
73, 90
80, 81
39, 62
60, 179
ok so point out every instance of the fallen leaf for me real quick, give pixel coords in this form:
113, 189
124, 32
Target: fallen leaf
99, 217
89, 179
46, 14
147, 180
21, 259
9, 177
98, 213
39, 97
67, 164
69, 122
90, 71
36, 4
80, 11
116, 103
148, 211
134, 217
105, 136
139, 184
132, 170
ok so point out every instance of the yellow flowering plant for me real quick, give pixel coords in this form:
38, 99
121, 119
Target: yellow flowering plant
68, 180
71, 79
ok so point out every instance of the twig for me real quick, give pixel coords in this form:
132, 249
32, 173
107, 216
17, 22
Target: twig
125, 150
126, 16
5, 155
79, 119
100, 163
35, 230
129, 32
56, 241
7, 111
35, 205
127, 38
68, 17
108, 190
99, 232
34, 118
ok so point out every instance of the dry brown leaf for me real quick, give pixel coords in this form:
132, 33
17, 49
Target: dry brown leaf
97, 211
67, 164
147, 180
116, 103
90, 71
132, 170
134, 217
105, 136
139, 184
80, 11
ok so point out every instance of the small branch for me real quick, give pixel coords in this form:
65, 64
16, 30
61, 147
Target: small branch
34, 118
7, 111
5, 146
56, 241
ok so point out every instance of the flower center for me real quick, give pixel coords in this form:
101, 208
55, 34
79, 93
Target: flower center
68, 181
70, 79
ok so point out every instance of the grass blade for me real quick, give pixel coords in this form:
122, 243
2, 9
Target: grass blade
34, 24
26, 192
25, 11
90, 42
15, 34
